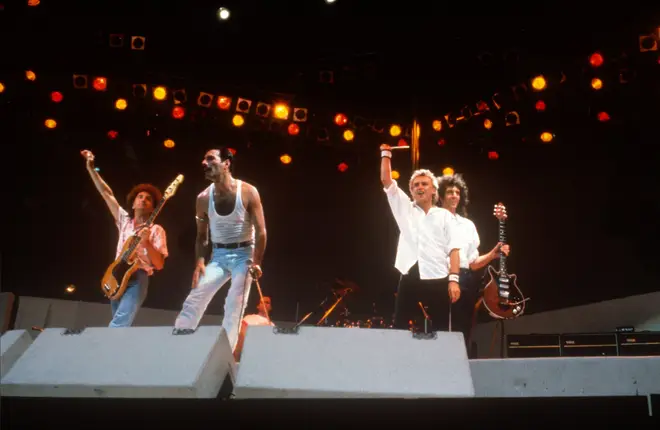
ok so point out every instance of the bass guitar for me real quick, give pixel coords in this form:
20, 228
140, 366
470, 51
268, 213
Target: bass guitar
116, 277
501, 296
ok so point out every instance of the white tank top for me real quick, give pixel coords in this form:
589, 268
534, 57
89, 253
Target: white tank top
233, 228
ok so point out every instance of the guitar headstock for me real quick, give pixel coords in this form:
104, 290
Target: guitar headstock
171, 190
500, 212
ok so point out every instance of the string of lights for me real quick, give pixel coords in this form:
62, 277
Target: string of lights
279, 115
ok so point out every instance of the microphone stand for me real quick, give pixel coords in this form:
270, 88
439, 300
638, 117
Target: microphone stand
426, 317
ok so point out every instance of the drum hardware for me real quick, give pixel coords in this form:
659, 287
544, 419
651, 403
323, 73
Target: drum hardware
310, 314
340, 294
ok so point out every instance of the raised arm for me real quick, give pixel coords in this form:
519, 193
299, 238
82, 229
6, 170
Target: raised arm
385, 165
398, 200
256, 210
103, 188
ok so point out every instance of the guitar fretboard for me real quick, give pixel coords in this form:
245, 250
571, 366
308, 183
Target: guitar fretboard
502, 239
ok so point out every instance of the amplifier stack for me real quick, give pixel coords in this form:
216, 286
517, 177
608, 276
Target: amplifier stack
628, 344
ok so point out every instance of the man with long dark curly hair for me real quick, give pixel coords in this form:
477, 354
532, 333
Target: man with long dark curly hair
453, 196
152, 250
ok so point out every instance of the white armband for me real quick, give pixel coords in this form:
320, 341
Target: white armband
453, 278
385, 153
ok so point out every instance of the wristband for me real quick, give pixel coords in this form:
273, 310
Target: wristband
385, 153
453, 278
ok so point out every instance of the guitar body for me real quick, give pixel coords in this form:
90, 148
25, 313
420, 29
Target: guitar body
116, 277
501, 296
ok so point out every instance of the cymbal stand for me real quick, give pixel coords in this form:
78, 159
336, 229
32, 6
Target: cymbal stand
310, 314
332, 308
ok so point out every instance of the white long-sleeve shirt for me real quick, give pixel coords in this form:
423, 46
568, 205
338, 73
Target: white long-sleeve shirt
470, 249
425, 238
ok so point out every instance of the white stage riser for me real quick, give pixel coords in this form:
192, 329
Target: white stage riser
566, 376
146, 362
331, 362
13, 345
318, 362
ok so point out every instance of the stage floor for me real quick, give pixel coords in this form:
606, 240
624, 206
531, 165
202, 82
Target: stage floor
309, 413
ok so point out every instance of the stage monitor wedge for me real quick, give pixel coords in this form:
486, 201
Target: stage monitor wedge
333, 362
132, 362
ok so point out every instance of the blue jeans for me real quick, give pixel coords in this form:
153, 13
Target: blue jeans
225, 264
126, 308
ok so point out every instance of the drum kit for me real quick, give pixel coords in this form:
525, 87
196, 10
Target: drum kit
336, 313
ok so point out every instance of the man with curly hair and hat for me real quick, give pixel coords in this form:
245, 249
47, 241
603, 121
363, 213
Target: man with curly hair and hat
152, 250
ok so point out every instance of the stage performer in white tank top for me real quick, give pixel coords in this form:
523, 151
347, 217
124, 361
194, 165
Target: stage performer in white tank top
231, 210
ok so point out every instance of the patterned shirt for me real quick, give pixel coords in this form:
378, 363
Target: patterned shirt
126, 226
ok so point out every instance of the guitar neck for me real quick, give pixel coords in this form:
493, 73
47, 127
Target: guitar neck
502, 239
150, 221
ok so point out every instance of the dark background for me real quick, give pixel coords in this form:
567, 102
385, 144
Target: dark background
583, 209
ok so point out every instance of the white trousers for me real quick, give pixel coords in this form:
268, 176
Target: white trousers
225, 264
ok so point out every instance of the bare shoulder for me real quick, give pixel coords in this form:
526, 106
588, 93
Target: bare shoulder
249, 191
204, 195
202, 202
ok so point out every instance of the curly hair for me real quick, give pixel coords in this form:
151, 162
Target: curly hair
155, 193
455, 180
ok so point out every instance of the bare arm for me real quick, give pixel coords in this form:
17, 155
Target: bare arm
155, 242
202, 221
385, 166
256, 211
156, 258
101, 186
484, 260
454, 261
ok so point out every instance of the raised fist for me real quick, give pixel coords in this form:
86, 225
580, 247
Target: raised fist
87, 155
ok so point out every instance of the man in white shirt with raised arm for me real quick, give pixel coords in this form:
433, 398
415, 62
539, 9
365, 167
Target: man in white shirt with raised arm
428, 240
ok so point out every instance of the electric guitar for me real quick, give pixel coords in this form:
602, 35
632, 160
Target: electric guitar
116, 277
501, 297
